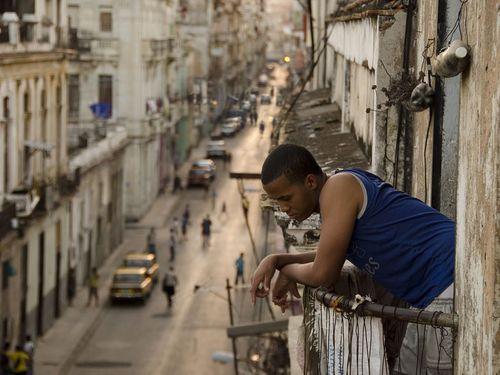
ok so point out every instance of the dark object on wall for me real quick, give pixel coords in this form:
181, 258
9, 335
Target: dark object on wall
452, 60
422, 97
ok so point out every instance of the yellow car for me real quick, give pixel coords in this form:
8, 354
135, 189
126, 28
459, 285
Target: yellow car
131, 283
143, 260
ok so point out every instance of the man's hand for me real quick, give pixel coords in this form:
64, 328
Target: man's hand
281, 287
263, 275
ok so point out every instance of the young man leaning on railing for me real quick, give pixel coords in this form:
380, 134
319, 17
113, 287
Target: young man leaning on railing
407, 246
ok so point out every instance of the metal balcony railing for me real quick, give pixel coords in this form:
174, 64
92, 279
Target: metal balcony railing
352, 335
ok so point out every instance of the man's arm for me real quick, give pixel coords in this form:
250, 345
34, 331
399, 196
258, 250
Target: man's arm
284, 259
340, 202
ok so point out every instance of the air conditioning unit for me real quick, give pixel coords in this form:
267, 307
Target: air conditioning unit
25, 201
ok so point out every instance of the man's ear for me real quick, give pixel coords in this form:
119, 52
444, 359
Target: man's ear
311, 181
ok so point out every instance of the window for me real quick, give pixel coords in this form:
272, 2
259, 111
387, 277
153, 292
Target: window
73, 97
106, 21
106, 91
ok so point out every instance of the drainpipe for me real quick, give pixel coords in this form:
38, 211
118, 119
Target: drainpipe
403, 114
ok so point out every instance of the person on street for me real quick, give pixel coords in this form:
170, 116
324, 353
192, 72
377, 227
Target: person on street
151, 241
175, 227
186, 214
5, 359
184, 226
168, 285
172, 245
93, 287
240, 268
262, 128
29, 348
406, 246
206, 225
214, 197
20, 361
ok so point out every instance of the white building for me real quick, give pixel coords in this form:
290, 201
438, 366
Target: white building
122, 51
33, 165
41, 185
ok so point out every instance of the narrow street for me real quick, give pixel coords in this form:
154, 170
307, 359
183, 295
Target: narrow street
150, 339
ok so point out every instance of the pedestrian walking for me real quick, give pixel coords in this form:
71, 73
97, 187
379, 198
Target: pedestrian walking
29, 348
240, 269
186, 214
93, 287
214, 198
172, 245
184, 226
168, 285
175, 227
262, 128
151, 241
206, 225
20, 361
5, 359
223, 209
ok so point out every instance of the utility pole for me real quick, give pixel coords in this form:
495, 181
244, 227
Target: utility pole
244, 202
231, 321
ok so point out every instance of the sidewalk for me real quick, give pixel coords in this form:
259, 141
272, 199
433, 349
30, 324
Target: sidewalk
59, 347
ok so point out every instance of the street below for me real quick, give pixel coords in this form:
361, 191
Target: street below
152, 339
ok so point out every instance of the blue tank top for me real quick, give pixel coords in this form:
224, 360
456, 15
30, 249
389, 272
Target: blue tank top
407, 246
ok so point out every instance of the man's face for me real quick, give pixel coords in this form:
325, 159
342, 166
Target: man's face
298, 200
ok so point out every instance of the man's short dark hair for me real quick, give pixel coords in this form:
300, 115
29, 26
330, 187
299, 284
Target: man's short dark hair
293, 161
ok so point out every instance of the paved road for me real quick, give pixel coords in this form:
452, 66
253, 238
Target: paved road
150, 339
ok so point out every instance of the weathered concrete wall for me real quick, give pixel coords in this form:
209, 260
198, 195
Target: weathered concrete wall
390, 46
427, 26
477, 286
477, 204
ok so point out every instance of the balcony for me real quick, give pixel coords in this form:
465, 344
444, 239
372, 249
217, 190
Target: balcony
155, 49
90, 48
26, 35
345, 332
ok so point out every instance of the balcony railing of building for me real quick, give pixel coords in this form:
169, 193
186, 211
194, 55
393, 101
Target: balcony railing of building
155, 49
90, 48
28, 34
352, 335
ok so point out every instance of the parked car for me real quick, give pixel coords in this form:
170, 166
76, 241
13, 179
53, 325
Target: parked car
229, 129
217, 149
145, 260
246, 105
201, 173
206, 164
279, 100
262, 80
131, 283
238, 121
265, 99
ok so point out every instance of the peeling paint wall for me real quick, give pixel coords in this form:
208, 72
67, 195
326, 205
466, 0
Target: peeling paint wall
356, 55
477, 284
